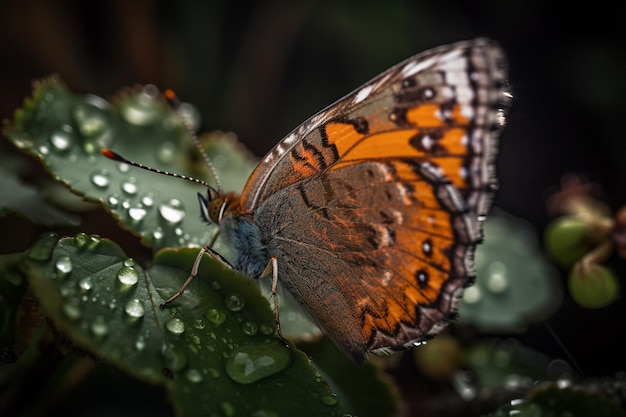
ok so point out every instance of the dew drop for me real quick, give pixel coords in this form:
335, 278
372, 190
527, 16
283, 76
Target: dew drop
175, 326
249, 328
63, 266
250, 363
62, 139
172, 211
194, 376
137, 214
113, 200
92, 242
22, 140
166, 153
44, 150
101, 178
497, 281
140, 343
130, 262
472, 295
215, 316
127, 276
330, 399
81, 240
71, 311
143, 108
91, 115
99, 327
157, 234
42, 249
147, 200
199, 324
235, 302
134, 309
129, 187
267, 330
85, 284
123, 167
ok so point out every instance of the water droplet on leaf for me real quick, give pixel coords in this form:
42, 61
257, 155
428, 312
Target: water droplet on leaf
175, 326
91, 115
172, 211
134, 309
137, 214
127, 276
193, 375
71, 310
250, 363
235, 302
166, 152
101, 178
129, 187
147, 200
62, 139
216, 316
143, 108
99, 327
63, 266
85, 284
249, 328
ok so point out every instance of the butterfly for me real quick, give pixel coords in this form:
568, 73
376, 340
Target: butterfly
369, 212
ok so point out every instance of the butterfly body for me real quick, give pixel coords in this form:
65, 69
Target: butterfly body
372, 207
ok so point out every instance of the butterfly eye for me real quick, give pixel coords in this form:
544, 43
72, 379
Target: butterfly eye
217, 208
212, 208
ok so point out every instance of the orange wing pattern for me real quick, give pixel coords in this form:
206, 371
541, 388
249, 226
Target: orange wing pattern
372, 206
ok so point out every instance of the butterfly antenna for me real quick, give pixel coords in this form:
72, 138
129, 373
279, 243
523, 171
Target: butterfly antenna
176, 105
117, 157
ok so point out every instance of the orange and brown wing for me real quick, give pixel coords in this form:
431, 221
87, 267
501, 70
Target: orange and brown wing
372, 206
377, 252
444, 105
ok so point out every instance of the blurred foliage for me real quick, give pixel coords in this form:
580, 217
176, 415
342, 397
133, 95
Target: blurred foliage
259, 70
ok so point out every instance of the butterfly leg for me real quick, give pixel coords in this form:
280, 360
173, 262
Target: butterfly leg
194, 272
272, 268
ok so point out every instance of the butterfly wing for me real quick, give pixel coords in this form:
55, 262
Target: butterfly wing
372, 206
457, 89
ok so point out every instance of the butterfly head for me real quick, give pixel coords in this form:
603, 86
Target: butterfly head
216, 205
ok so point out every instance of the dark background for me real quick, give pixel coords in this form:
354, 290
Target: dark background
260, 68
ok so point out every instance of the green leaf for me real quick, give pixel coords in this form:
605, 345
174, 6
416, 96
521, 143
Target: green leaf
15, 312
67, 133
26, 200
550, 400
214, 348
515, 284
359, 388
